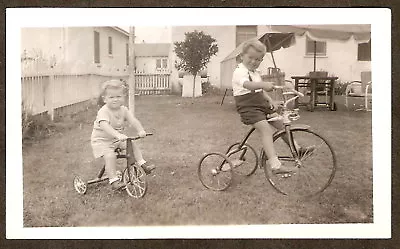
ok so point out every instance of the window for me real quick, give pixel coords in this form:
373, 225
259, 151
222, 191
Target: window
364, 51
127, 54
165, 63
162, 63
320, 48
110, 48
96, 47
243, 33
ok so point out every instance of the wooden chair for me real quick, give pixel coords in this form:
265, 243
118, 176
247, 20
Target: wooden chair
360, 89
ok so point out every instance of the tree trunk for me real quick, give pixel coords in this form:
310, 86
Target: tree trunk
194, 84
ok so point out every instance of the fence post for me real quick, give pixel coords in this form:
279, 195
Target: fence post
50, 108
131, 79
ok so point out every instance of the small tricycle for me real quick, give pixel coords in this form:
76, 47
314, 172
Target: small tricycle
313, 169
133, 176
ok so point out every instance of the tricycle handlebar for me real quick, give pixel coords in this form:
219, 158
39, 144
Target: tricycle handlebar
134, 138
137, 137
292, 91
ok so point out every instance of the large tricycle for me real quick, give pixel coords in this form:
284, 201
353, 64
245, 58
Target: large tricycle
313, 169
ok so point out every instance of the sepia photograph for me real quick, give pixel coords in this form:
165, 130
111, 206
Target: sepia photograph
174, 127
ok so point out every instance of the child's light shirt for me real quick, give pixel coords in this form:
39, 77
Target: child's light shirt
241, 75
116, 119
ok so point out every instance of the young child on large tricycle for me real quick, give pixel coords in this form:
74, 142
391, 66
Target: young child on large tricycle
254, 105
107, 131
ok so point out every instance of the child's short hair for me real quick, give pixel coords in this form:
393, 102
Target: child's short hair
110, 84
256, 44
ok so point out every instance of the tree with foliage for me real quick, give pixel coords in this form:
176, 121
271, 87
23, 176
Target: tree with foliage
194, 53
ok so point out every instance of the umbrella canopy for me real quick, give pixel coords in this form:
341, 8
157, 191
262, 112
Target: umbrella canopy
360, 32
273, 42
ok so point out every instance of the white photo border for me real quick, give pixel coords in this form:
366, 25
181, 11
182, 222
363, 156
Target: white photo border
380, 20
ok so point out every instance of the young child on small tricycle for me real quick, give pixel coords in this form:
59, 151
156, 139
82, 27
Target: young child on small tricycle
107, 131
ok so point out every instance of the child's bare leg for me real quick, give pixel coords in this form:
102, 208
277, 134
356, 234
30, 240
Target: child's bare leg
266, 133
139, 159
111, 169
265, 130
137, 154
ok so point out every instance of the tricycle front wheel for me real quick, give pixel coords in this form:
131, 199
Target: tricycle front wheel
134, 178
314, 165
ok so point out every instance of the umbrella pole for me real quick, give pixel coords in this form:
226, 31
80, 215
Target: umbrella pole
273, 59
315, 56
272, 54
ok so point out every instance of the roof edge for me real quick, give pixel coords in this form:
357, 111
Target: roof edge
120, 30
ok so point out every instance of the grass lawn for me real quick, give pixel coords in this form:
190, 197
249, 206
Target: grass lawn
183, 133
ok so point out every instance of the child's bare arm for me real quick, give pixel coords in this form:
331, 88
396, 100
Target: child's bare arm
105, 126
251, 85
135, 123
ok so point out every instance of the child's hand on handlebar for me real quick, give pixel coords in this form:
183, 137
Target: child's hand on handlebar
122, 137
274, 105
142, 133
284, 87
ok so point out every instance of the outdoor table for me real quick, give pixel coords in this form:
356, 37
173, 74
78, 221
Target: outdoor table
311, 83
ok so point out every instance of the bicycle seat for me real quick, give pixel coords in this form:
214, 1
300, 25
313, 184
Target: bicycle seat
118, 150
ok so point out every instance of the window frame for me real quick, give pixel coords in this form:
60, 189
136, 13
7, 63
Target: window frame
127, 54
110, 46
367, 56
161, 62
96, 43
311, 53
164, 63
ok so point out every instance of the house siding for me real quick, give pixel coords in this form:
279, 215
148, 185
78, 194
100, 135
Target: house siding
47, 41
73, 47
148, 64
340, 60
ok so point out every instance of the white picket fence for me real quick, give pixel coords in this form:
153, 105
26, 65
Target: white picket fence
56, 92
152, 84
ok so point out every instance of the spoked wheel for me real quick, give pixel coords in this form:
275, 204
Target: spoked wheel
134, 178
244, 160
313, 168
79, 185
215, 171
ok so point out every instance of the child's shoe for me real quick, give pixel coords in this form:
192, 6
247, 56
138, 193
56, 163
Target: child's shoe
278, 168
118, 185
148, 167
282, 170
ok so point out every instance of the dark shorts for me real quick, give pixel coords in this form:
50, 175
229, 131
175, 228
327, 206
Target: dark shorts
253, 107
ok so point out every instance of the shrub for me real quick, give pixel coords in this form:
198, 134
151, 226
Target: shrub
208, 89
26, 119
35, 126
340, 87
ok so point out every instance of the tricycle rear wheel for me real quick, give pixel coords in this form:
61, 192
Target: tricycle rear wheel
215, 171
